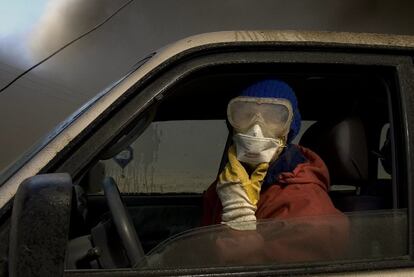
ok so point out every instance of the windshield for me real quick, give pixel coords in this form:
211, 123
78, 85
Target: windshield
373, 235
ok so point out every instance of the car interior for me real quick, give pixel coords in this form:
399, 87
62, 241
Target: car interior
346, 115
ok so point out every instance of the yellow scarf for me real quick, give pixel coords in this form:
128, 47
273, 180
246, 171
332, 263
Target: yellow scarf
236, 173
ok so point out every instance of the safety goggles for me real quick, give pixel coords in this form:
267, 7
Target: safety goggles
273, 115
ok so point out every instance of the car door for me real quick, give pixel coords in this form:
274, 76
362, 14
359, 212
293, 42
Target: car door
164, 165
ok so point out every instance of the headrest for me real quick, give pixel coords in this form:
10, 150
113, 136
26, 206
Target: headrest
343, 147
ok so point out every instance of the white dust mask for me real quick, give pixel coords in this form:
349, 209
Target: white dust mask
253, 148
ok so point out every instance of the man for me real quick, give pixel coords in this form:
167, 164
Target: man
267, 177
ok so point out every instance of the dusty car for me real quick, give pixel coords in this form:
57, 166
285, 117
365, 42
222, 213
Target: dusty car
116, 190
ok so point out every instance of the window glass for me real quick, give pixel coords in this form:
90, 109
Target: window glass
382, 173
171, 156
305, 124
374, 235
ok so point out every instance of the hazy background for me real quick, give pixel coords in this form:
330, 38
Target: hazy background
31, 30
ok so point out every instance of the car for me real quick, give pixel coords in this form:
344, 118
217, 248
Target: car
117, 188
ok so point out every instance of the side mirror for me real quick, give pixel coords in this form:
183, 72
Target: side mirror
40, 225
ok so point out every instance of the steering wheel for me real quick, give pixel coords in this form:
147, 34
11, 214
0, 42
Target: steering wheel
123, 223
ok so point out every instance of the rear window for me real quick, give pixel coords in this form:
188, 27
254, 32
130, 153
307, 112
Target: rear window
170, 157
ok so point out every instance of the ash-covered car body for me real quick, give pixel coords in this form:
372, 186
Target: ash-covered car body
159, 137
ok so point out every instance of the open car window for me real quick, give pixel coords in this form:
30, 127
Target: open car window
164, 172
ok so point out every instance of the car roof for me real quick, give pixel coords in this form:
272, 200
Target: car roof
297, 37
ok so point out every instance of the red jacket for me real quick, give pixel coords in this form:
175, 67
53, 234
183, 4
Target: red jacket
312, 228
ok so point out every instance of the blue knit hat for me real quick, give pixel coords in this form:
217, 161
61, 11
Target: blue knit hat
277, 89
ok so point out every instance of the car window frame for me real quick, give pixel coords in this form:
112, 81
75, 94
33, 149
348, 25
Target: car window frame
155, 91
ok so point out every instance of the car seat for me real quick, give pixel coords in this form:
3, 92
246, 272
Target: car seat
342, 144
